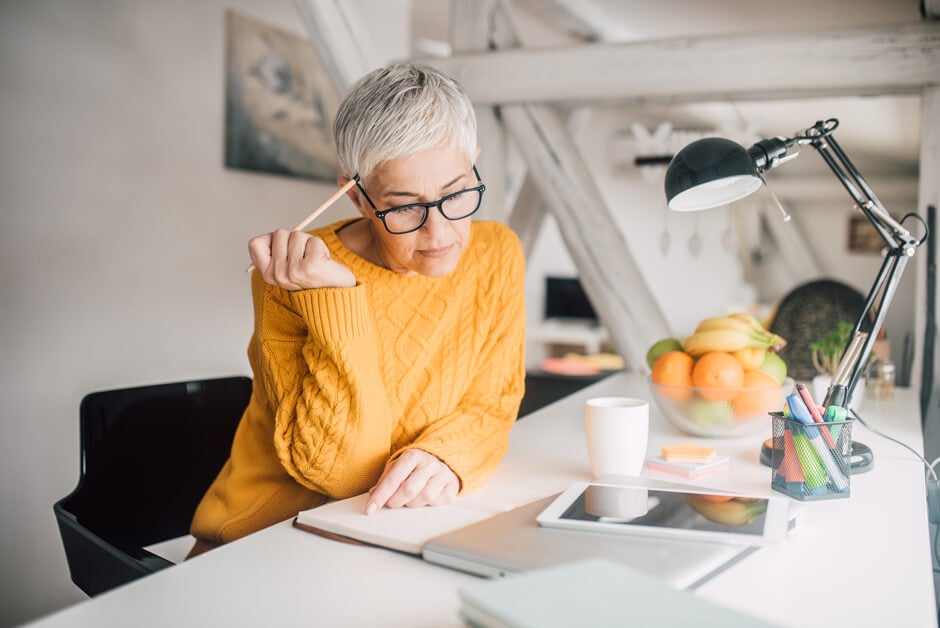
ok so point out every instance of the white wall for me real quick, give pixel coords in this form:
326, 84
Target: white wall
122, 238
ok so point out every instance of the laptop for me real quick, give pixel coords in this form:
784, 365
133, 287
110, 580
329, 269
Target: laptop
512, 542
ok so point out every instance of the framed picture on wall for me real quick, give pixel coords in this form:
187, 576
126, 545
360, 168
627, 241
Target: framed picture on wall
863, 237
278, 100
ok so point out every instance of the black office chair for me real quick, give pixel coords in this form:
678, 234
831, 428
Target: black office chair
808, 312
148, 454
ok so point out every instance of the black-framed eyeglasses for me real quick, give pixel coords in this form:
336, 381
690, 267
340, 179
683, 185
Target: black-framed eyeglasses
411, 217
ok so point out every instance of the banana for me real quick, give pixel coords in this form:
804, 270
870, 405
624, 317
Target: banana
734, 512
727, 340
731, 333
724, 322
747, 318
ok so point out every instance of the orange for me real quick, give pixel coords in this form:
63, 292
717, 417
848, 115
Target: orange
750, 358
761, 394
717, 374
674, 369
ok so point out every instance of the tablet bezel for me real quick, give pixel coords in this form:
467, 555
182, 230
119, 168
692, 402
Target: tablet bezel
774, 530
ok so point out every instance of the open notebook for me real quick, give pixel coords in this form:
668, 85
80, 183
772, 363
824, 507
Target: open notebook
408, 529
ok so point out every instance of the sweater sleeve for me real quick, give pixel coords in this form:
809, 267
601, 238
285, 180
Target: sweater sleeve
317, 357
474, 437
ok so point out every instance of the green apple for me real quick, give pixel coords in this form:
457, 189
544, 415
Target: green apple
663, 346
774, 366
710, 413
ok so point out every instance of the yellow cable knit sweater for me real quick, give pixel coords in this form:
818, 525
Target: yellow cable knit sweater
347, 378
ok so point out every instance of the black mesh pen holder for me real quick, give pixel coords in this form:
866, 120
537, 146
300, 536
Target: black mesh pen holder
811, 461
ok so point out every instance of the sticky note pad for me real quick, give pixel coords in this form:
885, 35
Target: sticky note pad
688, 452
687, 469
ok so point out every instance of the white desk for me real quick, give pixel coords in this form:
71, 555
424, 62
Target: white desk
862, 561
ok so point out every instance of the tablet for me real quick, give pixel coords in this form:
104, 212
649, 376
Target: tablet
682, 512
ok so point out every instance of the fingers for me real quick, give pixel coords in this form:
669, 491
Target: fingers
259, 249
415, 479
439, 490
295, 260
392, 478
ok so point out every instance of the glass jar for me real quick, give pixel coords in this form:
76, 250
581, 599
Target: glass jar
880, 377
886, 379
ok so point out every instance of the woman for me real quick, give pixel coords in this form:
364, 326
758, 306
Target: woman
388, 349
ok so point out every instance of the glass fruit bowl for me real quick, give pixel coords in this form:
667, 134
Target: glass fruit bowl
720, 412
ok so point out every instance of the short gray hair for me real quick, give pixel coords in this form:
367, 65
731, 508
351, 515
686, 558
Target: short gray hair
401, 110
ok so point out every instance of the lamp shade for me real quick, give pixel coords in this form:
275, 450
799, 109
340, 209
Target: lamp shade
710, 172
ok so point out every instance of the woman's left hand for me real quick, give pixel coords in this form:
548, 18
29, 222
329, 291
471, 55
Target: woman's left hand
416, 478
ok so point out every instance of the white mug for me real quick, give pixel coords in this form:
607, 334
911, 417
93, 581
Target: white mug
617, 431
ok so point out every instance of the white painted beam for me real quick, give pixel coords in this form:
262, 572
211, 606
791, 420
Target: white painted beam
528, 215
470, 31
866, 61
606, 267
339, 39
529, 210
582, 19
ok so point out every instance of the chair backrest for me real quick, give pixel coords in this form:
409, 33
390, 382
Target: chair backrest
148, 455
808, 312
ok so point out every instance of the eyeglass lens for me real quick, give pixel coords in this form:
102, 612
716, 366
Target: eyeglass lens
455, 207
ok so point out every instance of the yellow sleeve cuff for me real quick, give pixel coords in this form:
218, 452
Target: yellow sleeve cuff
334, 313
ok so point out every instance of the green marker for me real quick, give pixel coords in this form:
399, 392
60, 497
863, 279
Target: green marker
813, 469
835, 413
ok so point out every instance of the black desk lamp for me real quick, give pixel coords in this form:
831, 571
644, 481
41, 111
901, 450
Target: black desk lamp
714, 171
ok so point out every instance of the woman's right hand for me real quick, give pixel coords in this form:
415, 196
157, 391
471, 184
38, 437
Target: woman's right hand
295, 260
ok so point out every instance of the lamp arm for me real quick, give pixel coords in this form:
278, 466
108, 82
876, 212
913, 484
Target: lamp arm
893, 234
820, 136
901, 247
869, 324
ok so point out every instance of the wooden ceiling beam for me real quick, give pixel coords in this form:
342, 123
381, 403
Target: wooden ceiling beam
581, 19
340, 41
607, 269
865, 61
471, 27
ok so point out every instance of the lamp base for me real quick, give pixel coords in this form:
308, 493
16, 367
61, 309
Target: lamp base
861, 458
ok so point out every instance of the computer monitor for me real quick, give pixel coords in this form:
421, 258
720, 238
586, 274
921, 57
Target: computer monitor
565, 299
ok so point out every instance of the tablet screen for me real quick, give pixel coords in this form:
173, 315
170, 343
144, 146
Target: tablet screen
669, 510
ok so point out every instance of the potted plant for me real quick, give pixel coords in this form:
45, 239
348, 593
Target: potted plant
827, 353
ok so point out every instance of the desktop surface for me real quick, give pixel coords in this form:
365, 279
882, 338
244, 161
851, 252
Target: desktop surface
861, 561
